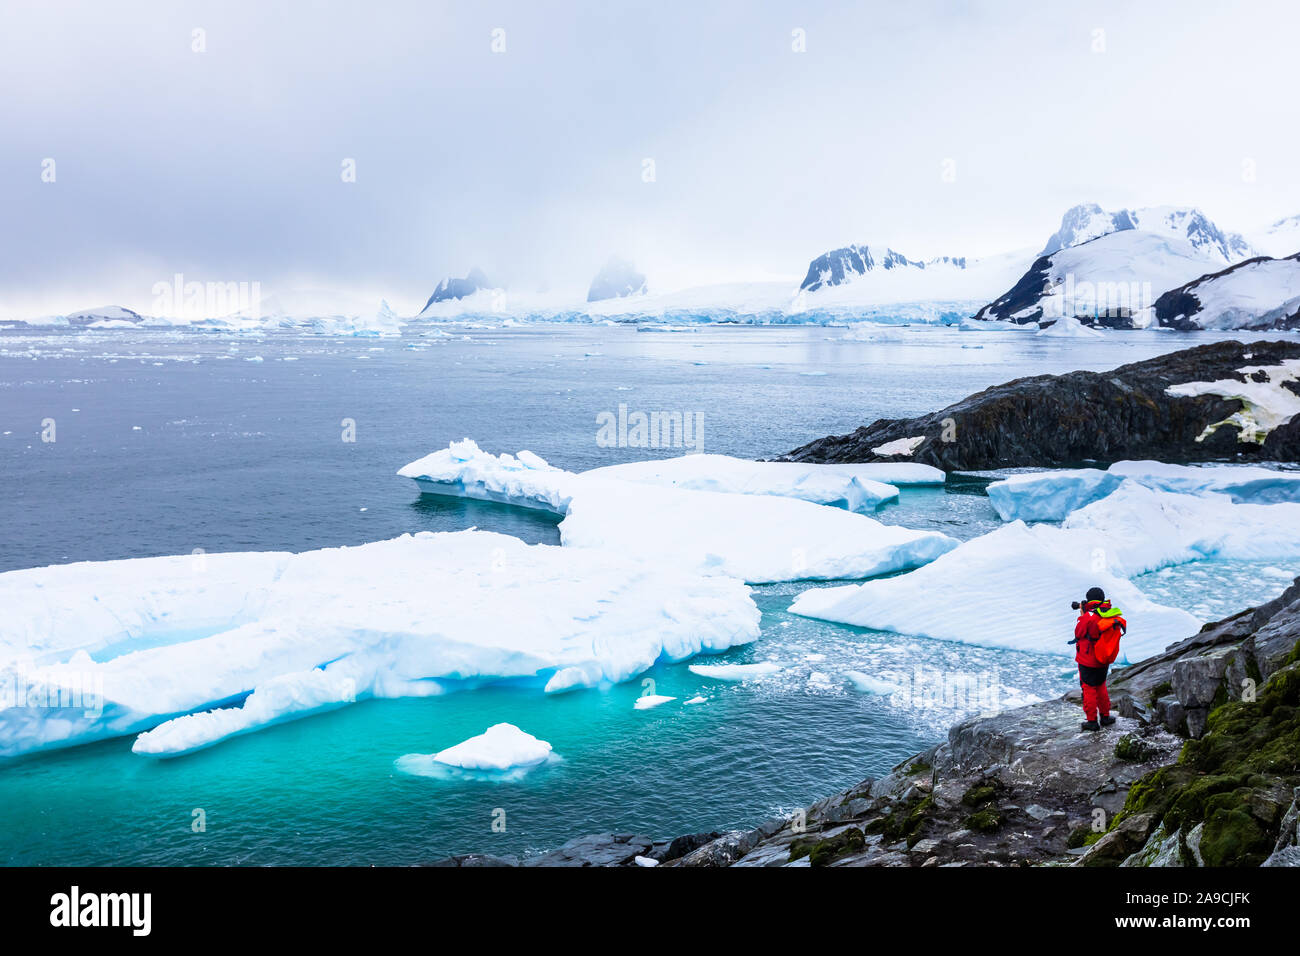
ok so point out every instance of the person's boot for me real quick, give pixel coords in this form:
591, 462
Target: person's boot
1106, 720
1090, 725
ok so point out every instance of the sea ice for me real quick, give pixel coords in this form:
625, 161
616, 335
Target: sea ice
1009, 588
1051, 495
196, 648
647, 701
844, 486
758, 538
735, 672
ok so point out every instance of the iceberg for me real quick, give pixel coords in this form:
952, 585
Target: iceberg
759, 538
1138, 529
841, 486
1009, 588
647, 701
502, 747
1052, 495
463, 470
188, 651
1049, 496
1244, 484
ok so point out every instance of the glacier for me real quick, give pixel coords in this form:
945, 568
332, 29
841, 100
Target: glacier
759, 538
187, 651
1009, 588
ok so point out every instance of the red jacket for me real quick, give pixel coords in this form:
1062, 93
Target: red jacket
1086, 631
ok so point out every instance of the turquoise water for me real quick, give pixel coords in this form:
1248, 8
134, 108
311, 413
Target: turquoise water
241, 455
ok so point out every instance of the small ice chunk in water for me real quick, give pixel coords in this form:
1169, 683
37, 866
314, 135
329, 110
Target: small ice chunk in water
734, 672
646, 701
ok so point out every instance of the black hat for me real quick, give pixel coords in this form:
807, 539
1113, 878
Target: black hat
1096, 594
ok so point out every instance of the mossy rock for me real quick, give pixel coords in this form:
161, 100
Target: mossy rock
1230, 778
984, 821
1160, 690
918, 768
1134, 748
1079, 836
825, 852
1232, 837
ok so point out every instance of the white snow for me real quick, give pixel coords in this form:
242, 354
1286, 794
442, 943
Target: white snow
758, 538
900, 446
1265, 404
1009, 588
226, 643
835, 485
735, 672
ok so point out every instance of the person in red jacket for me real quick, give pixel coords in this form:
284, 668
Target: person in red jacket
1092, 672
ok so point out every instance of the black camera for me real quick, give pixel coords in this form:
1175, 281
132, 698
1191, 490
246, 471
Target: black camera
1075, 605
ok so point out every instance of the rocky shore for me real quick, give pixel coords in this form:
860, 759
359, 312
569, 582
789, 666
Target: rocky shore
1066, 420
1202, 768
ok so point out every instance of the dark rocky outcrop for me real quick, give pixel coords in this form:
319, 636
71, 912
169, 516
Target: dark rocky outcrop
1064, 420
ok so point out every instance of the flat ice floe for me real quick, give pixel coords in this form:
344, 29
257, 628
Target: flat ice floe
1051, 495
502, 752
1009, 588
759, 538
842, 486
197, 649
1136, 529
735, 672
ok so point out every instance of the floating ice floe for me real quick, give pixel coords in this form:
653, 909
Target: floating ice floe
735, 672
647, 701
1051, 495
195, 649
871, 685
503, 751
1009, 588
758, 538
1136, 529
854, 487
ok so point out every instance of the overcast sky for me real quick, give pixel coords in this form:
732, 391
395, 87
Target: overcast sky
226, 165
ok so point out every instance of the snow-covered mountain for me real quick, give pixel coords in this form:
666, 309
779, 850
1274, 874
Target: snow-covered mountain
1280, 239
454, 288
1112, 280
1088, 221
616, 279
841, 265
1261, 293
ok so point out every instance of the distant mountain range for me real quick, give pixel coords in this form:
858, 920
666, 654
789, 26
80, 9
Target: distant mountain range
1167, 266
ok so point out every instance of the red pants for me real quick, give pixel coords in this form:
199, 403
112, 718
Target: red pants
1095, 699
